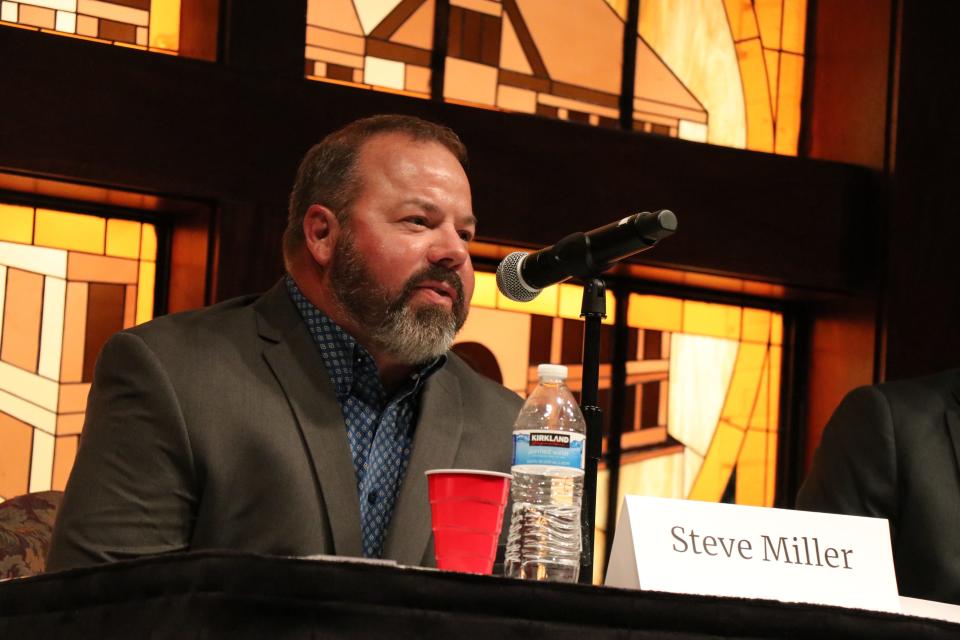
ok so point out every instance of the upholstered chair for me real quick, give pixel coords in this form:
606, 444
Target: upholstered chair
26, 524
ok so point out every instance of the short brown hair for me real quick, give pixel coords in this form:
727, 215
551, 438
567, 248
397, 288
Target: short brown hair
327, 173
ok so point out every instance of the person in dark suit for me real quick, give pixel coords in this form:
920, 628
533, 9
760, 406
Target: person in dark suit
893, 451
302, 422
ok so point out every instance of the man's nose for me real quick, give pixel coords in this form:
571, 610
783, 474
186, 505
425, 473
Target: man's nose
448, 249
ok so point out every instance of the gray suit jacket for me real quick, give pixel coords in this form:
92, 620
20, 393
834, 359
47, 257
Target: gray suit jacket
893, 451
219, 428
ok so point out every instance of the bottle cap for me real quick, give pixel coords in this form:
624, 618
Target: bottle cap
552, 371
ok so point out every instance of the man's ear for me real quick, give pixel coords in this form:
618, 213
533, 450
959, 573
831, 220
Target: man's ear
321, 230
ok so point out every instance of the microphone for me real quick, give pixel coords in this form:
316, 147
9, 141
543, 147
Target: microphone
521, 275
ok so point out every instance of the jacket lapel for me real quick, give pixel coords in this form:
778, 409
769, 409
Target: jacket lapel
292, 356
435, 444
953, 421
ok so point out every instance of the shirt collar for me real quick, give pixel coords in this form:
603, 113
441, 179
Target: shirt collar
346, 359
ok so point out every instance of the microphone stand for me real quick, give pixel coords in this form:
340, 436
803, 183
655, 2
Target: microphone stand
592, 310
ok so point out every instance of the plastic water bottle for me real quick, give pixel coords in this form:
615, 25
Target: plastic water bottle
548, 452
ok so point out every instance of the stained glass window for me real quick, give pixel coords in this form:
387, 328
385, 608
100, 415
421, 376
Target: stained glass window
702, 386
372, 43
67, 282
146, 24
727, 72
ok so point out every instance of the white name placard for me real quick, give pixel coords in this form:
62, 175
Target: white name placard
685, 546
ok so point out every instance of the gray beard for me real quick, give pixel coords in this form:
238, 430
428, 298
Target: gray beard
410, 335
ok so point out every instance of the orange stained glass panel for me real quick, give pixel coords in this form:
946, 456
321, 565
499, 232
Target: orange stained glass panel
708, 319
585, 48
788, 115
130, 306
715, 471
773, 404
620, 7
148, 242
334, 14
655, 312
545, 304
417, 31
37, 16
64, 454
73, 397
74, 231
756, 325
16, 223
485, 291
771, 60
16, 439
769, 16
512, 56
148, 274
794, 25
756, 96
88, 268
165, 24
123, 238
21, 319
743, 21
74, 332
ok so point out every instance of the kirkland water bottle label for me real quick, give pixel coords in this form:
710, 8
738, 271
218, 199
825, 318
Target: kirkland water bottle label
554, 448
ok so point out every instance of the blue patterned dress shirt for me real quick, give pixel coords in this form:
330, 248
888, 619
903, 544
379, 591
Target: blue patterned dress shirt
379, 429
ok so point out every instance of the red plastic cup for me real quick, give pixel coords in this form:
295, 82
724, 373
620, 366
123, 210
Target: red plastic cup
466, 509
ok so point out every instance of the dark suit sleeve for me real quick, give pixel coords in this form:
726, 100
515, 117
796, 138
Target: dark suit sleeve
855, 469
132, 490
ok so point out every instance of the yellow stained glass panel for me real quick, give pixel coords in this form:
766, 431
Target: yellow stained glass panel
148, 242
148, 274
485, 291
545, 304
788, 113
776, 329
165, 24
16, 223
74, 231
655, 312
743, 387
123, 238
756, 325
769, 15
708, 319
719, 462
794, 25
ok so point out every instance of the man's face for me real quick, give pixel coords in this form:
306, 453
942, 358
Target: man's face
401, 267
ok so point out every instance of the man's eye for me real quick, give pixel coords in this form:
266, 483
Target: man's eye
420, 221
466, 236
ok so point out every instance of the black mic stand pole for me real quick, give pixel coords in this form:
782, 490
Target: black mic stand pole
593, 310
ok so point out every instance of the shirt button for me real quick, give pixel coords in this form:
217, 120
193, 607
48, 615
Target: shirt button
372, 498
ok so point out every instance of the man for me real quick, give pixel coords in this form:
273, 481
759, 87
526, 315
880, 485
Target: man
893, 451
302, 422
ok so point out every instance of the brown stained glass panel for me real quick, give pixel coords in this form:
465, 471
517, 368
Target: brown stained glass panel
118, 31
571, 349
650, 407
339, 72
135, 4
16, 439
652, 342
21, 319
104, 318
541, 337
